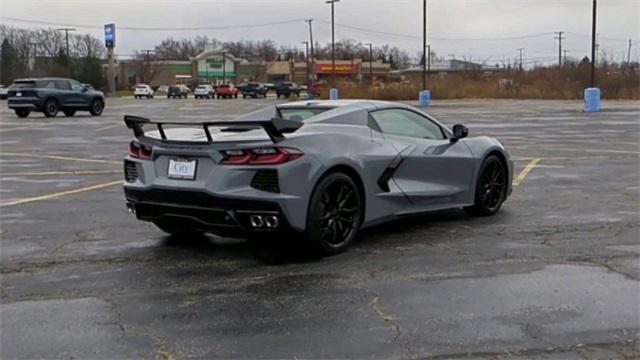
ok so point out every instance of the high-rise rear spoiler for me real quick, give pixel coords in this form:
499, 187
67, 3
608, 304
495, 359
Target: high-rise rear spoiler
273, 127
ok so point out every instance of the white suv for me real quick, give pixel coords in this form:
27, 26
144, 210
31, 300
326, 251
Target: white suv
204, 91
143, 90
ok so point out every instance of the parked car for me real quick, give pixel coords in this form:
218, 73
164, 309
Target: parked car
226, 91
204, 91
3, 92
321, 170
51, 95
254, 90
143, 90
287, 89
177, 91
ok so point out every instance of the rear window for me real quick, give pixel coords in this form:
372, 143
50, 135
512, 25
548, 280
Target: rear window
224, 86
300, 114
202, 87
141, 87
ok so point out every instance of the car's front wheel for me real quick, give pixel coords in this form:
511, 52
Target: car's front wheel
51, 108
22, 113
97, 106
491, 187
335, 214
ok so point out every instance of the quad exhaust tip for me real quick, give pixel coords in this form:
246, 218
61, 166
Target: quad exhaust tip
264, 221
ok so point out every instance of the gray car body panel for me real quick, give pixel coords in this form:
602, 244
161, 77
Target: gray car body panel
430, 174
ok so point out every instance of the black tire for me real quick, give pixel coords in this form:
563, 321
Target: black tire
244, 96
135, 96
235, 95
149, 96
335, 214
69, 112
491, 188
22, 113
50, 108
97, 107
278, 95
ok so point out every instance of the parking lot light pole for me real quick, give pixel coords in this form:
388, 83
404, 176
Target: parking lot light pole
306, 58
333, 42
66, 35
370, 62
224, 67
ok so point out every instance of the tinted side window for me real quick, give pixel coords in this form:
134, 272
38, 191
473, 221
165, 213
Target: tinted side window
75, 86
62, 84
407, 123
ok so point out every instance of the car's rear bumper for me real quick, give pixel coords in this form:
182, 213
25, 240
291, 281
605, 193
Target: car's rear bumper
204, 212
16, 103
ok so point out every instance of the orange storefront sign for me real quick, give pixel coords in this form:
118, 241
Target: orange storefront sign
340, 68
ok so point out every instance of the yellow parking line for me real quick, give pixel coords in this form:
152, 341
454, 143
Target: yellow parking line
108, 127
527, 169
58, 157
61, 193
72, 172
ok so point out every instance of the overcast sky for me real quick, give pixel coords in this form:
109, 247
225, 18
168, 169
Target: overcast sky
455, 27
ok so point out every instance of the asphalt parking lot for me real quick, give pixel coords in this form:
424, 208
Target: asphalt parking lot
554, 275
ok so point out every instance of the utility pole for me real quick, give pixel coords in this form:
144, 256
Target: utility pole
521, 50
35, 54
311, 42
333, 42
224, 67
559, 38
306, 45
629, 54
564, 57
424, 44
429, 60
66, 35
593, 43
370, 62
147, 72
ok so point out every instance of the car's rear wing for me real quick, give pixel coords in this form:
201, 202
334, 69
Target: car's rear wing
273, 127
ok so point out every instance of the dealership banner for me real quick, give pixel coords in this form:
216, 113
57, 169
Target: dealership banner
110, 35
340, 68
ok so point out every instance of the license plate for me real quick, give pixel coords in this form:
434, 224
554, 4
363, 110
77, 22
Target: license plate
18, 94
182, 169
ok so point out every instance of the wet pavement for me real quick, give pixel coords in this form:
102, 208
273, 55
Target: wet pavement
554, 275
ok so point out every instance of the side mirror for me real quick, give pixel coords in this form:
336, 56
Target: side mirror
459, 131
85, 87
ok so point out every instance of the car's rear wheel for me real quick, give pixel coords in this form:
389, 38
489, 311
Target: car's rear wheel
491, 187
69, 112
335, 214
22, 113
97, 106
51, 108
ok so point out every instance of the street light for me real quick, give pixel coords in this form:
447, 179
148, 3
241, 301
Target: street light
306, 57
370, 62
66, 35
333, 42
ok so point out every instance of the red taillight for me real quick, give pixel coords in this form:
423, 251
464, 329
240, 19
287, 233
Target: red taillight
260, 156
139, 151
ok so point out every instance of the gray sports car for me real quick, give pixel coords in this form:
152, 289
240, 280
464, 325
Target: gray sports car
323, 169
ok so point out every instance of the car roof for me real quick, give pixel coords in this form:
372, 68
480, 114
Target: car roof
377, 104
40, 79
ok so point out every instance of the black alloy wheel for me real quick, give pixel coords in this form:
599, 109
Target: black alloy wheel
97, 106
50, 108
491, 187
335, 214
22, 113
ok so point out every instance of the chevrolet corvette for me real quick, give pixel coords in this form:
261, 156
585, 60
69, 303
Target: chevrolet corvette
320, 169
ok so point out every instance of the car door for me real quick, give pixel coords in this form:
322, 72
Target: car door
435, 173
78, 94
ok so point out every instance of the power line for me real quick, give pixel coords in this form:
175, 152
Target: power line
134, 28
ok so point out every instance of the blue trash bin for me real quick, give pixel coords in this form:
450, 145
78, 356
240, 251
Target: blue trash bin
591, 99
425, 97
333, 94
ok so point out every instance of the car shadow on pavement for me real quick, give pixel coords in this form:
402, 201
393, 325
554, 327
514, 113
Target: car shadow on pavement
284, 250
